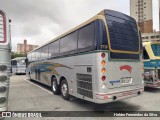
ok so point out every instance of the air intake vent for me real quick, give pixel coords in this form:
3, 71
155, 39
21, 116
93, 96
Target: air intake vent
84, 85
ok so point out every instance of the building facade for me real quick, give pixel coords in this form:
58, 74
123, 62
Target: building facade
141, 10
151, 37
24, 48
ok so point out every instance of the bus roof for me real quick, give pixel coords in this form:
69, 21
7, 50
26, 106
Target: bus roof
98, 16
149, 43
18, 58
68, 32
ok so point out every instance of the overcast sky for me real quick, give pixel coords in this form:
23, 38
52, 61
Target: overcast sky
39, 21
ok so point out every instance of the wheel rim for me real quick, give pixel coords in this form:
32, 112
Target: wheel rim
54, 86
64, 89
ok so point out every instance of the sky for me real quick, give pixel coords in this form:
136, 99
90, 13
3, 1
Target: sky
39, 21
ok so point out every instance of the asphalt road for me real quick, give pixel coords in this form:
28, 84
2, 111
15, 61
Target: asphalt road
25, 95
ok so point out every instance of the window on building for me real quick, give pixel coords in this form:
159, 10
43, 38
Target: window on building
153, 37
147, 37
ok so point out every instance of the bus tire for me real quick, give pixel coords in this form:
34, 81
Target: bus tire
55, 86
65, 90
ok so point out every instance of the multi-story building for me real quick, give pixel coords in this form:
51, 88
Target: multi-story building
151, 37
141, 10
24, 48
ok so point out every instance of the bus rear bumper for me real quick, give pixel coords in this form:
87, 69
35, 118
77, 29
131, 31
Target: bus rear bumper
106, 98
153, 85
3, 109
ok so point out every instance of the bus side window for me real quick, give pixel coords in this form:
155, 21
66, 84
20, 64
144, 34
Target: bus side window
44, 52
145, 54
101, 35
69, 43
33, 56
26, 61
86, 37
54, 48
14, 63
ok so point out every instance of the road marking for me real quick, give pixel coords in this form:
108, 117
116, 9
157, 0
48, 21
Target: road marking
18, 85
38, 86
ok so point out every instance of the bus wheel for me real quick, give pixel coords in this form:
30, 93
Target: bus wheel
55, 86
64, 90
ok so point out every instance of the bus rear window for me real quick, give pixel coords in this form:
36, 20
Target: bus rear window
123, 31
156, 49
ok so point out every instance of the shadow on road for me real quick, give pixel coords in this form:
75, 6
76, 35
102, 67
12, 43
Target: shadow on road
121, 106
108, 107
152, 90
42, 85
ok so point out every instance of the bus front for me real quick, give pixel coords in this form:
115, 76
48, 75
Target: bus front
4, 61
120, 61
151, 64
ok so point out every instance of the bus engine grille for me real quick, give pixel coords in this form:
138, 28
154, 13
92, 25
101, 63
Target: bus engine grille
84, 85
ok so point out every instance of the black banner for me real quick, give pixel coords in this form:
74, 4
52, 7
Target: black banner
25, 114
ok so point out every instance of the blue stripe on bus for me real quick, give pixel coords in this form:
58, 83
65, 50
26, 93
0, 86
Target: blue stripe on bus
152, 63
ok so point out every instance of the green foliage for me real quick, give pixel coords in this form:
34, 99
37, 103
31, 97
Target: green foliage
14, 55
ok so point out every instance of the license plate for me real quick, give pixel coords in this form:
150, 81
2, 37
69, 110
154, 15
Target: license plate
126, 80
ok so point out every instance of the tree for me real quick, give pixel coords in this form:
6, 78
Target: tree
14, 55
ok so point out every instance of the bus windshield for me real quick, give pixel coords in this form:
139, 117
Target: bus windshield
123, 31
21, 62
156, 49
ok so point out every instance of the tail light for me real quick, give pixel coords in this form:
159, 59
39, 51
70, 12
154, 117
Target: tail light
3, 79
103, 78
2, 27
103, 70
103, 63
103, 55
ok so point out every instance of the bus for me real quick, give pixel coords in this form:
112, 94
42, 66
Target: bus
151, 64
5, 52
99, 61
18, 65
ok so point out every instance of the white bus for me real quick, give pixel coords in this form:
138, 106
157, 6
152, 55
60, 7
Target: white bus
18, 65
5, 53
98, 61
